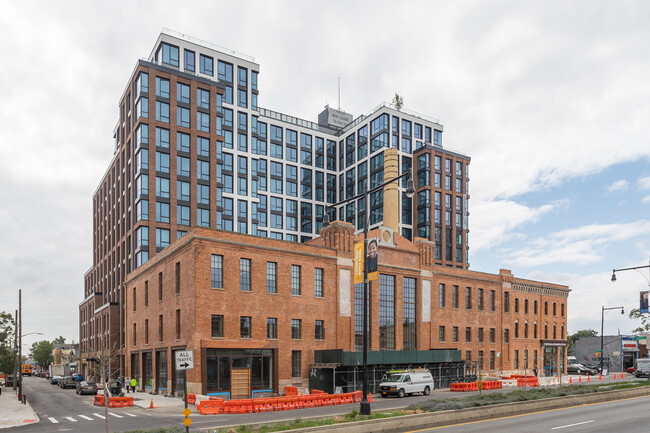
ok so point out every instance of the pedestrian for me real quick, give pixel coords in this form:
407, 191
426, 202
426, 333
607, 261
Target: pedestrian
127, 383
535, 371
133, 384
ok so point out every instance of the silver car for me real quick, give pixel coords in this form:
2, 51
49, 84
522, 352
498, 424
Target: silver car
84, 387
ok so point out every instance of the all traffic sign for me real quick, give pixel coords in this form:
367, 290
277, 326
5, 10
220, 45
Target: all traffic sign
185, 360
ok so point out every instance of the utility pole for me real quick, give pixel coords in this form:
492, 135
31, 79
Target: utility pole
15, 348
20, 344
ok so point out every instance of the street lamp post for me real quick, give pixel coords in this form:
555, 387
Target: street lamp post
602, 323
364, 408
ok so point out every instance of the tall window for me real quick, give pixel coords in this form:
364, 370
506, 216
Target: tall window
454, 295
454, 334
468, 334
492, 300
160, 327
318, 282
441, 334
358, 317
160, 286
295, 329
295, 280
480, 299
178, 324
245, 327
480, 335
295, 363
271, 271
441, 296
408, 314
386, 312
271, 327
319, 330
217, 271
468, 298
178, 277
146, 331
506, 335
492, 335
245, 275
217, 326
506, 302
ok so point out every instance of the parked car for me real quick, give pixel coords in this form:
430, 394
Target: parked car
580, 369
593, 366
55, 380
68, 382
642, 367
84, 387
630, 370
78, 377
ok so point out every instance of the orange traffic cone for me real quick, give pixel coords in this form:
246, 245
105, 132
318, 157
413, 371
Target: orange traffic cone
614, 376
151, 405
588, 378
600, 377
570, 380
622, 377
370, 397
580, 379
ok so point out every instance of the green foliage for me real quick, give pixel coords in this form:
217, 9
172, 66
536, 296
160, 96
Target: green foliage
58, 340
352, 414
636, 314
6, 342
168, 429
41, 351
397, 102
575, 337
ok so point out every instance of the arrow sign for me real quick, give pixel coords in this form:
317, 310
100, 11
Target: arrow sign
184, 360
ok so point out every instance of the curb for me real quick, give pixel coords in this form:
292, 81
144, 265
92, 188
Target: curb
448, 417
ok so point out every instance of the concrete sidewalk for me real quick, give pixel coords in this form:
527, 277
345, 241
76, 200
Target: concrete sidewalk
12, 412
146, 401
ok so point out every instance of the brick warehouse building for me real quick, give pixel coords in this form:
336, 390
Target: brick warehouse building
193, 148
255, 310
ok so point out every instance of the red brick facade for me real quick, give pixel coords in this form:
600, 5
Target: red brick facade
185, 271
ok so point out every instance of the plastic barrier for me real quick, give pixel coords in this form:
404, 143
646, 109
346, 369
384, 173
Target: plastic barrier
99, 400
290, 391
527, 381
210, 407
120, 402
191, 398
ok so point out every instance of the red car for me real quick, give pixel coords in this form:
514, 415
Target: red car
630, 370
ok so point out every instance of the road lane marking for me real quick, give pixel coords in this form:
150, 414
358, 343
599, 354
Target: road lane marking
69, 418
87, 417
99, 416
523, 414
573, 425
130, 414
115, 415
53, 420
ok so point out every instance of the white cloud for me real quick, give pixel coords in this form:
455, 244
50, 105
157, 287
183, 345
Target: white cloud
646, 199
580, 246
619, 185
644, 183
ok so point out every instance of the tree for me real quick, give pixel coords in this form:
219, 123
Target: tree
575, 337
7, 328
59, 340
104, 359
636, 314
41, 351
397, 102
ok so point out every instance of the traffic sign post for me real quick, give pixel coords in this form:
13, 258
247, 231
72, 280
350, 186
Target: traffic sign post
184, 362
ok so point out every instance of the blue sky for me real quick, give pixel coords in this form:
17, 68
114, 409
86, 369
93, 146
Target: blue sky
550, 99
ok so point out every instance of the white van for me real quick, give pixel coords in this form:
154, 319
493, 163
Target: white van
406, 382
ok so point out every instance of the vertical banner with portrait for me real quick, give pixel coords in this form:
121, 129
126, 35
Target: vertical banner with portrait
643, 302
372, 257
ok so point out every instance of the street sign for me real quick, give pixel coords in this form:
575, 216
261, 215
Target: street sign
185, 360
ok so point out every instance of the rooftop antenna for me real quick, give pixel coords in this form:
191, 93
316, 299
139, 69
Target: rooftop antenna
339, 93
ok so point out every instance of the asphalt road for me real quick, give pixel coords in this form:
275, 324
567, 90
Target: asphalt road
630, 416
61, 410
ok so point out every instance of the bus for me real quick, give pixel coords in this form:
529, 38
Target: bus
26, 369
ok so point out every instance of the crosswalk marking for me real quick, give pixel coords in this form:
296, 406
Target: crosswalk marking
130, 414
115, 415
99, 416
69, 418
87, 417
53, 420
